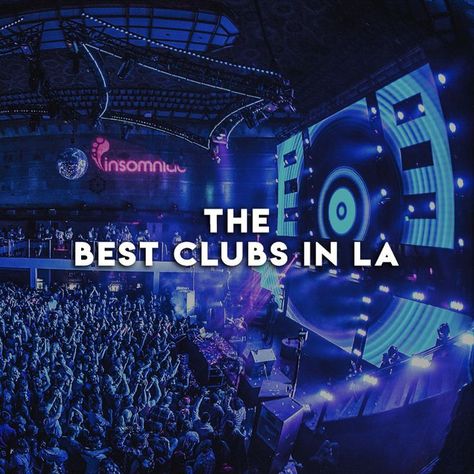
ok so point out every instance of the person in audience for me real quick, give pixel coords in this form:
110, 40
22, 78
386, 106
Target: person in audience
443, 334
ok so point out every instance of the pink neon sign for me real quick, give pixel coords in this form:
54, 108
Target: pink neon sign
149, 164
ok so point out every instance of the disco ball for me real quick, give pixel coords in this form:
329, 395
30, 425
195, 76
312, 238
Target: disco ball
72, 163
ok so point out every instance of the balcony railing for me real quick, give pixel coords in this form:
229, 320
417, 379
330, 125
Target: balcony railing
35, 248
439, 370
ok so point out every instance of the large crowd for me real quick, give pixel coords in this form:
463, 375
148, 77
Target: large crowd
94, 382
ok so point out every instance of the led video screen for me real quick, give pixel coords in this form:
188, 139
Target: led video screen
377, 170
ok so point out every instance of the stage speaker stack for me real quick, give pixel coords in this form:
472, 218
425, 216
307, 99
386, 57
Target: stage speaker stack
275, 434
259, 362
273, 389
254, 390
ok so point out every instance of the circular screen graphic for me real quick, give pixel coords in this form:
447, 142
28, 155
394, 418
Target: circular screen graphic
344, 205
342, 211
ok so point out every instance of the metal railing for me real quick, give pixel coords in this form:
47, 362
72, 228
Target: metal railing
438, 370
36, 248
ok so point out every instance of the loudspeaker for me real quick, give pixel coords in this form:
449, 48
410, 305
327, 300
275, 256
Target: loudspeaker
275, 434
273, 390
249, 388
259, 362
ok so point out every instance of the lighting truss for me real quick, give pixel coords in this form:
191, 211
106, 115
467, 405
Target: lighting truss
28, 42
252, 86
246, 93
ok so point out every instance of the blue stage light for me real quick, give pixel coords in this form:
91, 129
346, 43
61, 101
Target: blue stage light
370, 379
418, 296
383, 236
442, 78
456, 305
311, 233
432, 205
362, 332
452, 127
311, 170
384, 288
312, 201
467, 338
356, 352
379, 148
363, 317
400, 115
373, 110
420, 362
460, 183
383, 192
461, 242
326, 395
332, 271
355, 276
411, 208
366, 300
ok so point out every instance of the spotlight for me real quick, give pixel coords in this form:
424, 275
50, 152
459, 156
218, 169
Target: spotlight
382, 236
276, 180
366, 300
421, 108
370, 379
326, 395
332, 271
461, 242
355, 276
384, 288
379, 148
297, 214
420, 362
362, 332
383, 192
311, 170
452, 127
432, 206
363, 317
311, 233
411, 208
373, 110
467, 338
418, 296
306, 141
312, 201
441, 78
456, 305
356, 352
400, 115
460, 183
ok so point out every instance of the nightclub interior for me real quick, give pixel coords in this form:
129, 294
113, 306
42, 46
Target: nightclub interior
350, 121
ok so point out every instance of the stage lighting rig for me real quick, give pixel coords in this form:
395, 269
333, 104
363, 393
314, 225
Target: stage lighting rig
258, 93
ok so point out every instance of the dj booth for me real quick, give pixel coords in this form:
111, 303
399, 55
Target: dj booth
213, 360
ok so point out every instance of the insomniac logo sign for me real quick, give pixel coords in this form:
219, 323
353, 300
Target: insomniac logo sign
127, 159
